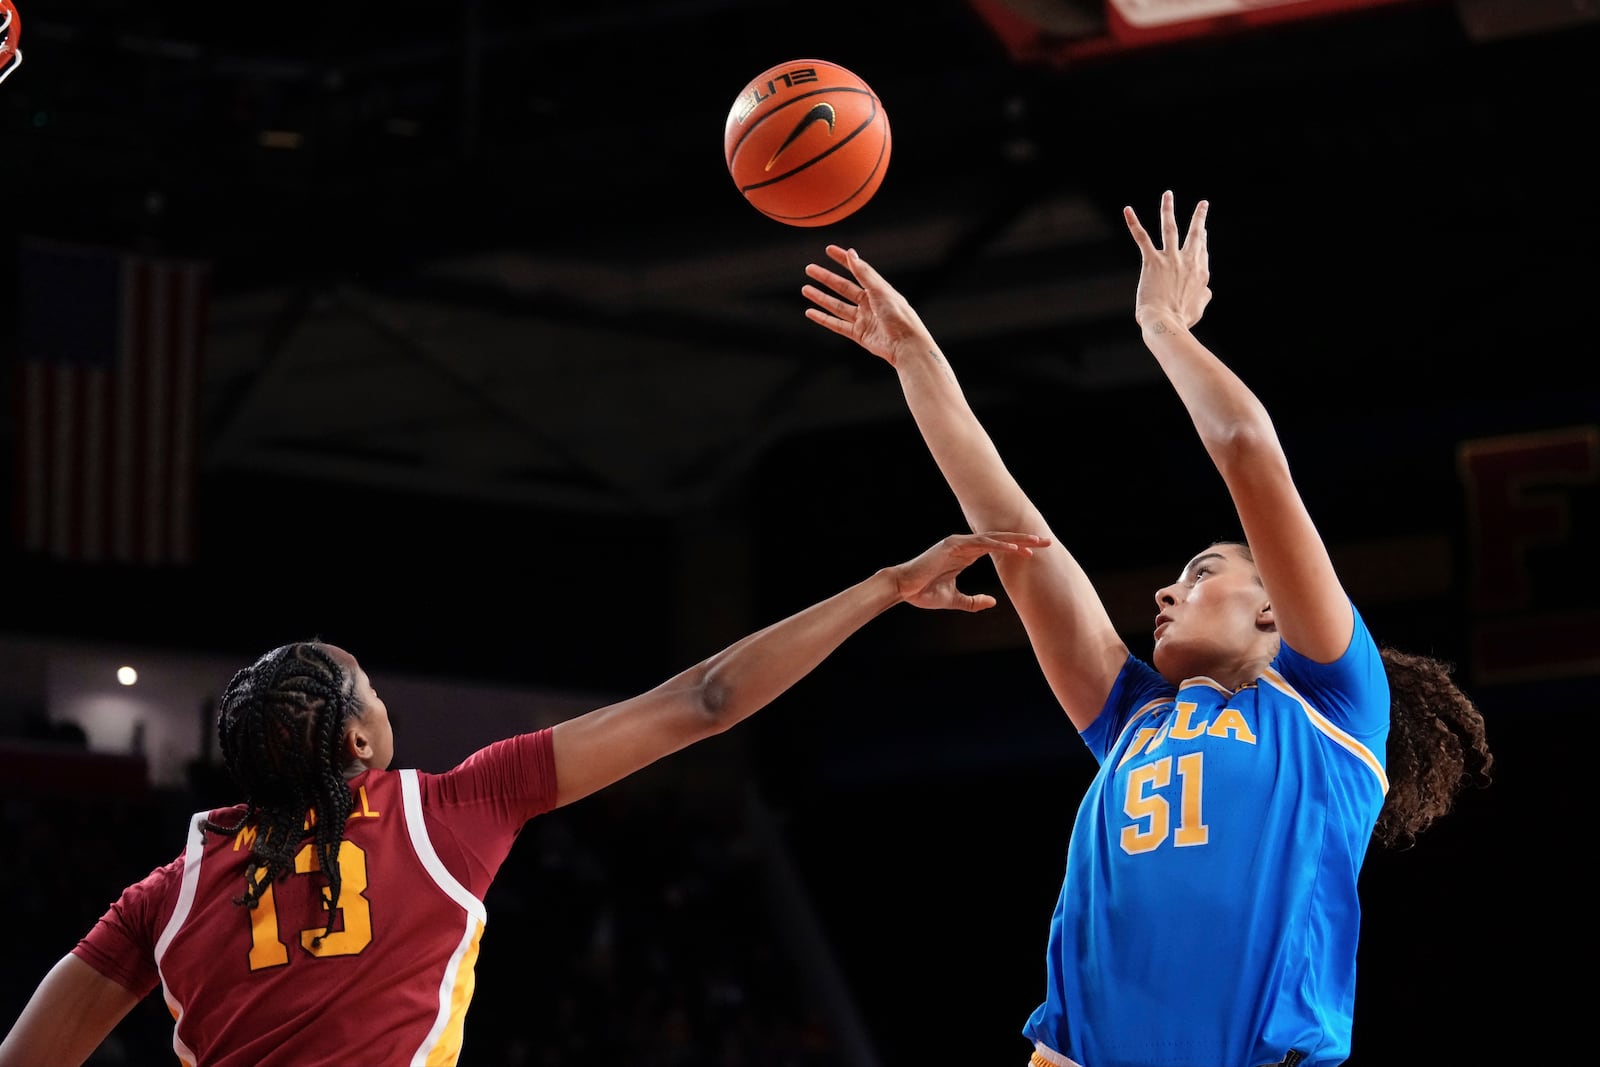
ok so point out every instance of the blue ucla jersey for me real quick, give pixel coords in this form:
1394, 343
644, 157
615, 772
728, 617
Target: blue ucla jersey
1209, 914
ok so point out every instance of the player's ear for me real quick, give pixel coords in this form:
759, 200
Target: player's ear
357, 743
1266, 621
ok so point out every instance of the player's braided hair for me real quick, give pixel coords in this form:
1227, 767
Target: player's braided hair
280, 721
1437, 746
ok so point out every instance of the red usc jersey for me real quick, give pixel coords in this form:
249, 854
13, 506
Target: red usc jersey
391, 983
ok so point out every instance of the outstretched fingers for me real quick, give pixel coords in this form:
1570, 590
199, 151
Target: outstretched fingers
975, 545
1141, 237
839, 309
1197, 227
865, 273
829, 301
841, 326
845, 287
1011, 541
1169, 223
929, 581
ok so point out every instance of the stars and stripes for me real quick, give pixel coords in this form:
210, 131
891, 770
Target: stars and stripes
110, 355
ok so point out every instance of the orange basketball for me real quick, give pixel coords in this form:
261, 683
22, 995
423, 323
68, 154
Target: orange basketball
807, 142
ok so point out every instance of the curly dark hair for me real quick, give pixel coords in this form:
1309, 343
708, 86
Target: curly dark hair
1437, 746
280, 721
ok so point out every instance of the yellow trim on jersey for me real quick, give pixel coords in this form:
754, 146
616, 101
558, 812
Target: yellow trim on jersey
1278, 682
447, 1048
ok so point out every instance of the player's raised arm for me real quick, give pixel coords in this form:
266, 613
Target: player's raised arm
1077, 647
1309, 606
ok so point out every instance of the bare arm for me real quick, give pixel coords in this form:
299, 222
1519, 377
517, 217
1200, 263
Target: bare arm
1309, 605
1073, 638
603, 746
72, 1011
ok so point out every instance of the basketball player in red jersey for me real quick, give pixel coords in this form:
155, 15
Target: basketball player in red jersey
334, 916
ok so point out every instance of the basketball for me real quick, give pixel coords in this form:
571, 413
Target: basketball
807, 142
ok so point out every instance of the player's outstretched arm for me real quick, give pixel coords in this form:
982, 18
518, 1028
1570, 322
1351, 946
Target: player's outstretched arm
1077, 647
603, 746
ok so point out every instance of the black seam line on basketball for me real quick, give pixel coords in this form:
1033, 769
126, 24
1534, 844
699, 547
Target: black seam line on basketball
820, 112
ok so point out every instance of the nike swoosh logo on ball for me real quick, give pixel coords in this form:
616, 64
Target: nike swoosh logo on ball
818, 113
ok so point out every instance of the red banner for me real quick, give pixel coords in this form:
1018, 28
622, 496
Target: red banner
1131, 24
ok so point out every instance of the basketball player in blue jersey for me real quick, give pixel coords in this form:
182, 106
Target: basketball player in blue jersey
1209, 914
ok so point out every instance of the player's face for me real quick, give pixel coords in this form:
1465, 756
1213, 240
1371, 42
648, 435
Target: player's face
372, 724
1212, 621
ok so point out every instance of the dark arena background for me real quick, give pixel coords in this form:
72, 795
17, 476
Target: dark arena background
495, 380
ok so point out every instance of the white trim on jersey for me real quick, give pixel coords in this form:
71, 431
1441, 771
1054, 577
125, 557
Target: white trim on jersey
477, 914
192, 854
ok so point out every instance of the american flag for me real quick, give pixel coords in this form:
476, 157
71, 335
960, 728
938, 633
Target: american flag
110, 348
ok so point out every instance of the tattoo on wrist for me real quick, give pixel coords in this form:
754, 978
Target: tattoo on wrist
1158, 327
